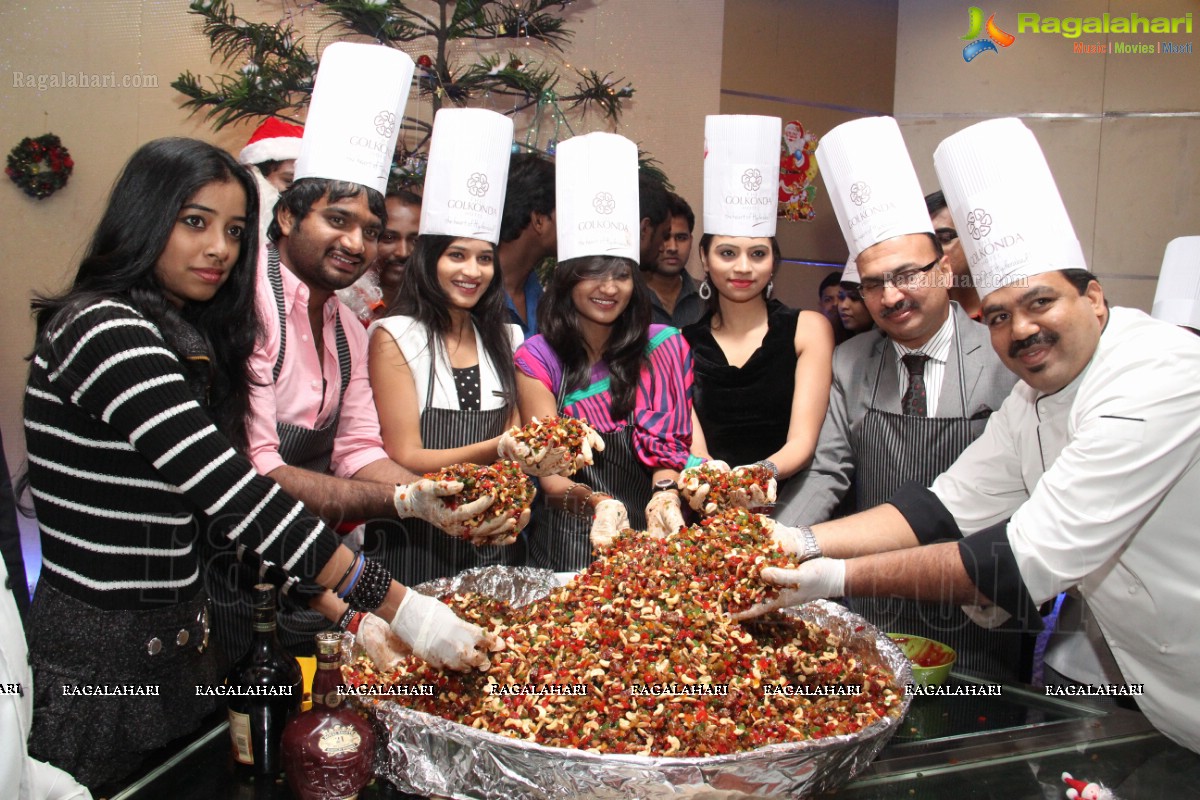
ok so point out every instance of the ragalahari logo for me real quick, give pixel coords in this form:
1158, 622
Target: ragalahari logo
995, 36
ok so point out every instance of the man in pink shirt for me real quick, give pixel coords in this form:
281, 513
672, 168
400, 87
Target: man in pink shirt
314, 429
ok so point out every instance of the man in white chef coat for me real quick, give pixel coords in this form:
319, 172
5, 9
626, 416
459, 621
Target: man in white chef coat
1089, 475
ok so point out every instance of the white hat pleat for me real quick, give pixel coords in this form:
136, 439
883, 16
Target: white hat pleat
596, 195
741, 174
1010, 217
1177, 298
355, 115
871, 182
467, 175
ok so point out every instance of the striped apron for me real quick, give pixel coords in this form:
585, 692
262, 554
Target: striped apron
891, 450
306, 448
562, 541
416, 551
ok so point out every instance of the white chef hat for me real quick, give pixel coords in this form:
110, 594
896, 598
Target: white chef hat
1177, 298
355, 114
467, 175
1010, 217
850, 273
741, 174
871, 183
596, 196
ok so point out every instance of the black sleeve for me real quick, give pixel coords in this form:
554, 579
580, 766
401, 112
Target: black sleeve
929, 519
988, 559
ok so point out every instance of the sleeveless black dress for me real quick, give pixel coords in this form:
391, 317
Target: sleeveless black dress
745, 411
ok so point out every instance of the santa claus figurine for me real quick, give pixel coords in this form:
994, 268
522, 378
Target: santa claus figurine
1082, 790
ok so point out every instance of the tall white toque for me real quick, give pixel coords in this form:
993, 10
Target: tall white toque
1010, 217
850, 273
1177, 298
871, 183
467, 176
355, 114
741, 174
596, 196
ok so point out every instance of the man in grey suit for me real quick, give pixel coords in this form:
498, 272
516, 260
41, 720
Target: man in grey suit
906, 399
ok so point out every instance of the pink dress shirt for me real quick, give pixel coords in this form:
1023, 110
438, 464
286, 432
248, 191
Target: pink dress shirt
298, 397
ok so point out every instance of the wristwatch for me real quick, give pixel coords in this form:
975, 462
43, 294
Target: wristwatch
811, 548
664, 485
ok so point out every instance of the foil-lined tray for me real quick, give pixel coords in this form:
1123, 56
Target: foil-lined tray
429, 755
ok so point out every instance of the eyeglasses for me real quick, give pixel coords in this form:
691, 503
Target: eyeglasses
946, 235
908, 279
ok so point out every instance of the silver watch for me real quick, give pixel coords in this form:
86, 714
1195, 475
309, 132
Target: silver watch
811, 548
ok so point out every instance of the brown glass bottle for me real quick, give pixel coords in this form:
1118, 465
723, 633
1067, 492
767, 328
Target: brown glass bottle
328, 750
266, 688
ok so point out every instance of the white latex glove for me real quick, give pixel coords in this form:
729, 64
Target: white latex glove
790, 540
437, 636
500, 532
422, 499
695, 489
46, 782
755, 497
664, 514
611, 518
812, 580
551, 461
375, 636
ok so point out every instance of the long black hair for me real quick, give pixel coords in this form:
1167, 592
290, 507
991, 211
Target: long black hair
158, 180
625, 351
421, 297
714, 300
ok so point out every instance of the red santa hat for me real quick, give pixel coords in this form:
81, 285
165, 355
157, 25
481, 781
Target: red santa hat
274, 140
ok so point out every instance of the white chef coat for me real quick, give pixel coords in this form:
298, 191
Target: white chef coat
35, 780
1101, 486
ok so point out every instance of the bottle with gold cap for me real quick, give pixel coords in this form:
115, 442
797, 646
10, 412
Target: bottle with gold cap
328, 750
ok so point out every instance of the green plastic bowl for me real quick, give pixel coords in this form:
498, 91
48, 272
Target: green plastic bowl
931, 661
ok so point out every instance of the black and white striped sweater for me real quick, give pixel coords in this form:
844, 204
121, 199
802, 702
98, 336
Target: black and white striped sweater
127, 471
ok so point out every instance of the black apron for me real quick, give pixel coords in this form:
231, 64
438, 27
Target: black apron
416, 551
561, 541
891, 450
306, 448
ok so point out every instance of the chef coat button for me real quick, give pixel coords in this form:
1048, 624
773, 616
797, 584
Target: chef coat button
1133, 589
182, 637
304, 337
316, 384
154, 646
1162, 648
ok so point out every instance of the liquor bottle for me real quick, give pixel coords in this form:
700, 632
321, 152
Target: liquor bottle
328, 750
266, 687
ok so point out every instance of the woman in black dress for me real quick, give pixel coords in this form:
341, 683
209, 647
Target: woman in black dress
762, 370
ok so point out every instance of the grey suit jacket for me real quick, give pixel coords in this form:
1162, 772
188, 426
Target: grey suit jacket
811, 496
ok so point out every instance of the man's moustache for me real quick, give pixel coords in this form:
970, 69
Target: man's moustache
1040, 338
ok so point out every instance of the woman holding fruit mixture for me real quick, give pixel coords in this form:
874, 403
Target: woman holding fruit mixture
442, 365
757, 361
598, 359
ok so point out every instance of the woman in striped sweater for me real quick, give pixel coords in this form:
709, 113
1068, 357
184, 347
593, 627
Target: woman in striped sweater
599, 359
135, 411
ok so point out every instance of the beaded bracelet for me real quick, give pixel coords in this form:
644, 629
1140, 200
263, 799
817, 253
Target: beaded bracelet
372, 587
358, 568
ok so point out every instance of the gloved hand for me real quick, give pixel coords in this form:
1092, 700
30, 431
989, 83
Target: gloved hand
755, 496
499, 531
790, 540
611, 518
664, 514
438, 637
551, 461
375, 636
422, 499
695, 489
812, 580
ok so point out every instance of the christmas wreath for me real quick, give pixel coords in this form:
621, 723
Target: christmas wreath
39, 166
